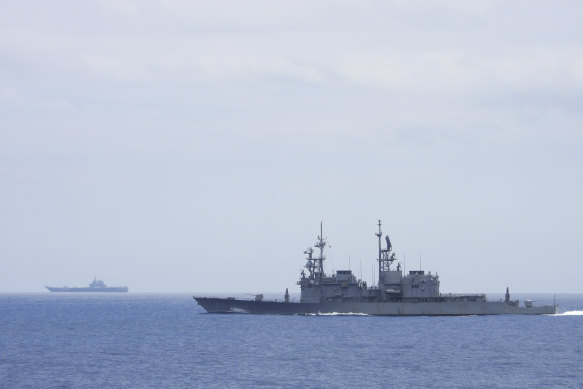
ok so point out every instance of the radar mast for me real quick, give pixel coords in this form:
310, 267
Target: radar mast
385, 256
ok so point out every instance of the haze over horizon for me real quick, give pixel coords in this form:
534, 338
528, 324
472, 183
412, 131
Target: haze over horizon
178, 146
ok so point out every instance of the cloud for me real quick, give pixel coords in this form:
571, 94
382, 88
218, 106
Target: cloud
123, 7
118, 68
368, 45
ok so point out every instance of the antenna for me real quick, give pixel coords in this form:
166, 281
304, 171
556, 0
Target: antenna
419, 260
321, 243
379, 234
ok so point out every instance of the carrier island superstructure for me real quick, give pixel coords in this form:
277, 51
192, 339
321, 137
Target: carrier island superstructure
395, 293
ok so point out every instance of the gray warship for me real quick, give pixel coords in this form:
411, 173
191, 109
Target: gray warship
396, 294
95, 286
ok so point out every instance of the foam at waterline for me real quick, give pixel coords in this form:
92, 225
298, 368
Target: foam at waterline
238, 310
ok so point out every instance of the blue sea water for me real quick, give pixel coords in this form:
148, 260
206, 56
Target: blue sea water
167, 341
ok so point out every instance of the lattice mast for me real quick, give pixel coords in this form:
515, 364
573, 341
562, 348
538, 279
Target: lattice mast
321, 243
316, 265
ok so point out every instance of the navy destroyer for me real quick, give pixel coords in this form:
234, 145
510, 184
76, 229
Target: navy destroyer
95, 286
396, 294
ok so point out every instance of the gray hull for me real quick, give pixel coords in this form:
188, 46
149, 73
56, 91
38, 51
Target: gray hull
118, 289
453, 308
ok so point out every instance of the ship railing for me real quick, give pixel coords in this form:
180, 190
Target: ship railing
462, 295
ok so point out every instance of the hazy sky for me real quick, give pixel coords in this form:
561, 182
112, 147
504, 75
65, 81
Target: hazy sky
183, 146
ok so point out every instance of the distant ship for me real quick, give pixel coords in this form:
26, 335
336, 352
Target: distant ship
95, 286
396, 294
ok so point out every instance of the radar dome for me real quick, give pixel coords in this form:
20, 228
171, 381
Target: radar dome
309, 264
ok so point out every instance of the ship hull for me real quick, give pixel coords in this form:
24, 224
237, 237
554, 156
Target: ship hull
118, 289
446, 308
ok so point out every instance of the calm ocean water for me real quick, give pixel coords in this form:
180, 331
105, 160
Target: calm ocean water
167, 341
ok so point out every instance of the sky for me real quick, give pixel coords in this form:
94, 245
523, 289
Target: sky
195, 146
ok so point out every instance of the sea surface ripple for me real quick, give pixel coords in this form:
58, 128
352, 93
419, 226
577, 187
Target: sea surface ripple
167, 341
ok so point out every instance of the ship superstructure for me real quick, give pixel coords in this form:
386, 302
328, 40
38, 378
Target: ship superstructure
392, 285
416, 293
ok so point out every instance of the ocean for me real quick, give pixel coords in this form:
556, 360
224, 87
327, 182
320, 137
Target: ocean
168, 341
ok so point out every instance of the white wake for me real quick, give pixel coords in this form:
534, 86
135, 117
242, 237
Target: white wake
338, 314
570, 313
